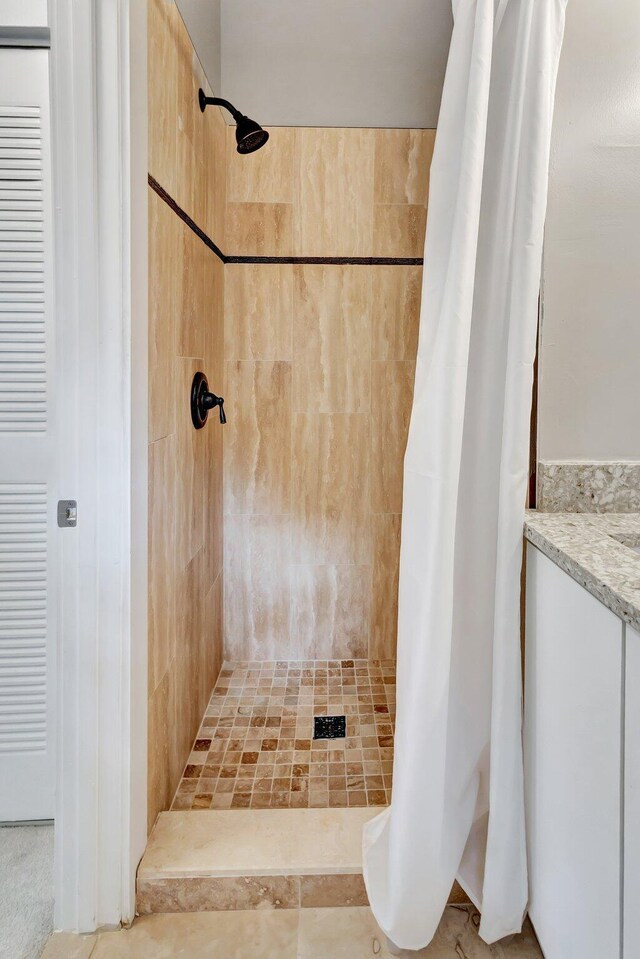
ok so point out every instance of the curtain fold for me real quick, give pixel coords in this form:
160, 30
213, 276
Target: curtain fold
458, 805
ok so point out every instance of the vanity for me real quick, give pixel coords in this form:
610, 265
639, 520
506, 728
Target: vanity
582, 733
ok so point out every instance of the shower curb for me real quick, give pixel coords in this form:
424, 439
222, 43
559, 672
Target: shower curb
215, 860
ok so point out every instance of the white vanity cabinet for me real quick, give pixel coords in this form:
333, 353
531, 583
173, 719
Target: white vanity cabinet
574, 766
631, 856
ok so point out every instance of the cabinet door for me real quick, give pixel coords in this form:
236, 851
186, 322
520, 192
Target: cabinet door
573, 745
632, 796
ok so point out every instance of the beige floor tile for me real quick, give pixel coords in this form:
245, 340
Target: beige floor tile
229, 935
67, 945
524, 946
340, 933
353, 933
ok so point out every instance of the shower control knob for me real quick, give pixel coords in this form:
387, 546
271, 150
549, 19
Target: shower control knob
209, 400
202, 401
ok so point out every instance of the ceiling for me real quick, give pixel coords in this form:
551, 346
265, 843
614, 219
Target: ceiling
344, 63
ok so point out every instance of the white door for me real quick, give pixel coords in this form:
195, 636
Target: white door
27, 488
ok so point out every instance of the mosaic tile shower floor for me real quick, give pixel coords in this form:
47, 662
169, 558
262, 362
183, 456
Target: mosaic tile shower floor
255, 747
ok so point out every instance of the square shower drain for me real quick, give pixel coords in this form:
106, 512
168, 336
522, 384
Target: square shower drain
329, 727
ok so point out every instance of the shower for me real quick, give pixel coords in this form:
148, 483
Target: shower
249, 135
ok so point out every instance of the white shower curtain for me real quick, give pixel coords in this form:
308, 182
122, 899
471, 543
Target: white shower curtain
458, 807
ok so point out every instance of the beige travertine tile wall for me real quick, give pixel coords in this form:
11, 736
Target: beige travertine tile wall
317, 377
329, 192
319, 365
186, 157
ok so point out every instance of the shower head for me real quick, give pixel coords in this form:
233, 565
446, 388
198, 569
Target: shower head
249, 135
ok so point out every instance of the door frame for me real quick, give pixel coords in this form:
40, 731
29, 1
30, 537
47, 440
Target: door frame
98, 121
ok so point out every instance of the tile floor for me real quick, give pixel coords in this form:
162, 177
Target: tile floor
346, 933
255, 747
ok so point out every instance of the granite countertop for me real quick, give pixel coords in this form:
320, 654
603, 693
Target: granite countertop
597, 551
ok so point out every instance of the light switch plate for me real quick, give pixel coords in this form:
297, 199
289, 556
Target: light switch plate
67, 513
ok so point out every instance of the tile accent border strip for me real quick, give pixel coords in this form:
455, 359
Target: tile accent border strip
332, 260
571, 487
326, 260
184, 216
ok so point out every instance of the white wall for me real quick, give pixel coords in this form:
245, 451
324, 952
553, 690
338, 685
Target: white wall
202, 20
590, 357
336, 63
23, 13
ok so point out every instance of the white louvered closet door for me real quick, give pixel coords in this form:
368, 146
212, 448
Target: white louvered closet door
27, 487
